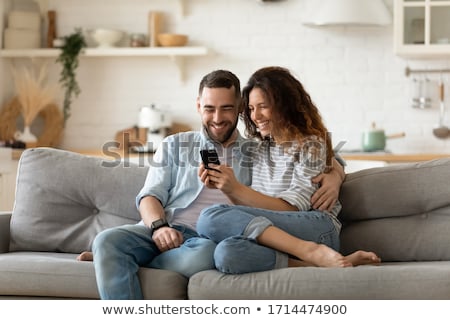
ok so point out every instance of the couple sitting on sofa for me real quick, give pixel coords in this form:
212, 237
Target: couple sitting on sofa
270, 225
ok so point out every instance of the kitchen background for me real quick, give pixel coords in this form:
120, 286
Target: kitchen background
351, 72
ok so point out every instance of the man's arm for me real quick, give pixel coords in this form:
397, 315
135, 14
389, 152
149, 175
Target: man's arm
330, 183
165, 238
151, 209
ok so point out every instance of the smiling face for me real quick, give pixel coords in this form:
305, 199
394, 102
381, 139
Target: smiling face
260, 111
219, 110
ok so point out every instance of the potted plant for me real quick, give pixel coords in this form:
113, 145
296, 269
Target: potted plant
73, 44
34, 95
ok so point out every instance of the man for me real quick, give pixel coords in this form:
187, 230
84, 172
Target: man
173, 196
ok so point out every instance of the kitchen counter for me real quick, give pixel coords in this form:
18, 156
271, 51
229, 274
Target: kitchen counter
392, 157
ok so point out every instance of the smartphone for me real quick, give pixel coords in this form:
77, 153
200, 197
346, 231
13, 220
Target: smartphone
209, 156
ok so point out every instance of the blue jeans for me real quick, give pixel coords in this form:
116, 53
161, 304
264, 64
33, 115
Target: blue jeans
119, 252
236, 228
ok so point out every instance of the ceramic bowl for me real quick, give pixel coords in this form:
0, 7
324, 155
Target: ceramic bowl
172, 39
107, 38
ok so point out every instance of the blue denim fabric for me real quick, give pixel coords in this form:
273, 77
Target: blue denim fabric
120, 251
237, 250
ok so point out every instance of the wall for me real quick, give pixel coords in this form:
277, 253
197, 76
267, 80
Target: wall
351, 72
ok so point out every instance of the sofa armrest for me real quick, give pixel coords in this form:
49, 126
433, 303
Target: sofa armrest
5, 219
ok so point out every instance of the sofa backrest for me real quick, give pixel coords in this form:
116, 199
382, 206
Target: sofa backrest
63, 199
402, 212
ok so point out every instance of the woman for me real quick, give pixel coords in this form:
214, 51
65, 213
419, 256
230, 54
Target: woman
271, 224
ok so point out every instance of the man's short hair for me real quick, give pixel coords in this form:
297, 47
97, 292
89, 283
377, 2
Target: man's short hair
221, 79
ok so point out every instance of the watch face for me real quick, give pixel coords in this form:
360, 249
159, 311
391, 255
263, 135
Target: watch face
158, 223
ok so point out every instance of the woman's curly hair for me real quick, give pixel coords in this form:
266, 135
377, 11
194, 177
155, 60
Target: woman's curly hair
294, 116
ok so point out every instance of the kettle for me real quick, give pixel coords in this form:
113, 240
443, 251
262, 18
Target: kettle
152, 118
157, 124
374, 139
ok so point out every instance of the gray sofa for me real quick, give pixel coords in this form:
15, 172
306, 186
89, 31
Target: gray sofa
64, 199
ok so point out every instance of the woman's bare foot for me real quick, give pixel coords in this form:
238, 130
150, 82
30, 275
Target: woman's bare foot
360, 257
320, 255
86, 256
295, 263
357, 258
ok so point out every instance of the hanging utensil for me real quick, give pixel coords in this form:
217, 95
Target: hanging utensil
441, 131
421, 93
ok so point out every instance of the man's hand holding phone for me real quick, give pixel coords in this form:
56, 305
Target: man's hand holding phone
209, 157
214, 175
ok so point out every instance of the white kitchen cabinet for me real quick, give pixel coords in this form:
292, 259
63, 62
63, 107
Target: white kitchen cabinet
422, 28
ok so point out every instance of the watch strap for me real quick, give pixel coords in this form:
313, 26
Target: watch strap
159, 224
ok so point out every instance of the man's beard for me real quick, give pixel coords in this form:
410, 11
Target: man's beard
227, 135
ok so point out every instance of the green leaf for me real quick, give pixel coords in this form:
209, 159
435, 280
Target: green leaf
68, 58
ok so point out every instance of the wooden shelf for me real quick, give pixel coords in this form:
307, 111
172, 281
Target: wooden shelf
108, 52
176, 54
392, 158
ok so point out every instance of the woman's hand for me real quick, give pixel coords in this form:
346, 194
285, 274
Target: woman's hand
221, 177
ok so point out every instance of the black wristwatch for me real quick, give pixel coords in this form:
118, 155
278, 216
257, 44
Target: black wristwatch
159, 224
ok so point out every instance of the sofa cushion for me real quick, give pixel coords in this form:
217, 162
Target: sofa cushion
63, 199
402, 280
49, 274
400, 212
396, 191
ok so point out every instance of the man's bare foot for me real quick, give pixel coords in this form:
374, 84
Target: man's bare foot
361, 257
85, 256
320, 255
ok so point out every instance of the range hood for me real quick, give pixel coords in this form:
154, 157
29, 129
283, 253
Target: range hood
348, 12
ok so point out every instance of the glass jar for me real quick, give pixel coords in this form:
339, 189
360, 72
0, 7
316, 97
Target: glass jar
137, 40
